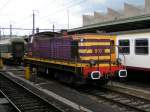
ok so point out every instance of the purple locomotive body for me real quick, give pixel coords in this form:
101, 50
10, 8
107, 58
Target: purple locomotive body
60, 49
48, 48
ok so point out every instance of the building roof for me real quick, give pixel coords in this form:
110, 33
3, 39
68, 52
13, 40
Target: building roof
131, 23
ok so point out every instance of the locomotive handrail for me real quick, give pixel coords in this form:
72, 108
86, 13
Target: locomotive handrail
123, 54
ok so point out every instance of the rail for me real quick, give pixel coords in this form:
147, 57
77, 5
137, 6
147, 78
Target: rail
129, 102
23, 99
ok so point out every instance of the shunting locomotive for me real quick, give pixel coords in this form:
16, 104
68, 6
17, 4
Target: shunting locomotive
75, 58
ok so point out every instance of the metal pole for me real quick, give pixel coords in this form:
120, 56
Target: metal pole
0, 34
3, 33
10, 30
53, 27
68, 18
33, 23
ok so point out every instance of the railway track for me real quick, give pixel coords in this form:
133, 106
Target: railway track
23, 99
5, 106
128, 102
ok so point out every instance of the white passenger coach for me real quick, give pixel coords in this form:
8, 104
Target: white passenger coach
135, 48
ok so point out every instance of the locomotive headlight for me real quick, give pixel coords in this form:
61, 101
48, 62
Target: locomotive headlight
82, 40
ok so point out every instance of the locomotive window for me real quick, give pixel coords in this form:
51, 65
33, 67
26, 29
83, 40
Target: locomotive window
124, 46
141, 46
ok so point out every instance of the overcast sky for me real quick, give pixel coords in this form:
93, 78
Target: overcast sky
48, 12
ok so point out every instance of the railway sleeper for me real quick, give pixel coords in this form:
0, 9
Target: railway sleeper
11, 93
26, 103
146, 106
135, 103
35, 107
43, 110
19, 100
120, 99
125, 101
15, 94
30, 102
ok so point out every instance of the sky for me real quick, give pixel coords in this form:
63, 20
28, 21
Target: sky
63, 14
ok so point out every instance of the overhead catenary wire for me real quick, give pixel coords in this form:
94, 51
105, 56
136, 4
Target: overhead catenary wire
67, 7
5, 4
22, 20
25, 28
64, 8
72, 4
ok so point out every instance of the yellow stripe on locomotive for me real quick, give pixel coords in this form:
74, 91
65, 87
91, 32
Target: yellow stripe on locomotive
88, 41
93, 43
100, 58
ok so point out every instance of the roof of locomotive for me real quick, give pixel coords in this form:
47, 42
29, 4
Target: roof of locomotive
55, 35
93, 35
49, 34
46, 34
96, 34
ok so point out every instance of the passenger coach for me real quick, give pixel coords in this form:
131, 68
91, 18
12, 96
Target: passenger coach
134, 50
12, 50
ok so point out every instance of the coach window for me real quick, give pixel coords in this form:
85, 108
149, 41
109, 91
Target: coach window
141, 46
124, 46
